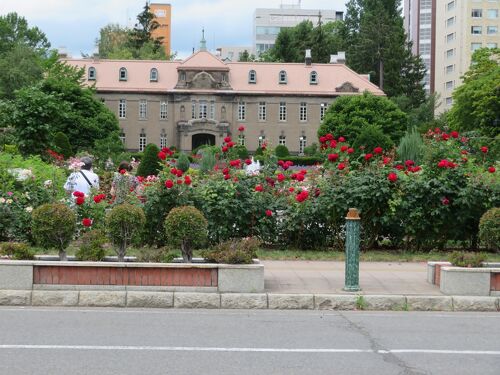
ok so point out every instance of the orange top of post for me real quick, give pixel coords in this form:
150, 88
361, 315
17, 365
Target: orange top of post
353, 214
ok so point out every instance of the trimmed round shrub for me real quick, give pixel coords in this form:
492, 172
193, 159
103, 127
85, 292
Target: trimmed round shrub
241, 151
371, 136
92, 247
281, 151
17, 250
124, 223
466, 259
186, 227
150, 163
53, 226
183, 162
489, 229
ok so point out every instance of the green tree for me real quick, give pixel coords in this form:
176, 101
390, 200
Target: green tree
477, 101
14, 31
59, 103
142, 32
377, 44
245, 57
112, 38
349, 115
61, 144
150, 163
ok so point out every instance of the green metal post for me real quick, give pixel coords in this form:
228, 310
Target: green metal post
352, 251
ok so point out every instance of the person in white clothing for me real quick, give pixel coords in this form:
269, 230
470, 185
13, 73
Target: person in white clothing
83, 180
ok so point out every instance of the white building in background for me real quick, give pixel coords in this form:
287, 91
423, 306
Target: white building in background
445, 33
233, 53
268, 22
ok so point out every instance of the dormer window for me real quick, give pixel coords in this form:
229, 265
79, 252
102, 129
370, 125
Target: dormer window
282, 77
123, 74
92, 74
313, 78
182, 76
153, 75
224, 77
252, 76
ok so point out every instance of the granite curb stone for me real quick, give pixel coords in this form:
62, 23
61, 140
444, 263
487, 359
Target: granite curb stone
54, 298
15, 297
243, 301
384, 302
430, 303
475, 303
335, 302
150, 299
102, 299
197, 300
291, 301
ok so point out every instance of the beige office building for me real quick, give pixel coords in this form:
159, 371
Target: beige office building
203, 99
446, 33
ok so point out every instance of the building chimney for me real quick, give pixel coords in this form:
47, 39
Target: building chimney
308, 57
339, 58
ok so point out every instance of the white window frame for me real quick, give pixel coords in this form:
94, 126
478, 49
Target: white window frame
92, 74
153, 75
262, 139
313, 78
242, 111
252, 76
142, 141
476, 30
303, 112
163, 139
241, 140
143, 109
203, 109
193, 109
122, 74
492, 27
478, 11
163, 110
282, 140
262, 111
322, 110
122, 108
212, 110
282, 112
122, 136
283, 78
302, 144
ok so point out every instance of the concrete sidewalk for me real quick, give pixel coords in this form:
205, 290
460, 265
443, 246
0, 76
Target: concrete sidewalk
328, 277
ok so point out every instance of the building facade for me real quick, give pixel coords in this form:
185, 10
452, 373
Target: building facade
202, 99
445, 33
268, 22
163, 15
233, 53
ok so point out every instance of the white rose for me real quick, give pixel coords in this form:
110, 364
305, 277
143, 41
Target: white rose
29, 209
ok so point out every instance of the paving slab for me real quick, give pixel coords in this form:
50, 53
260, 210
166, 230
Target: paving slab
379, 278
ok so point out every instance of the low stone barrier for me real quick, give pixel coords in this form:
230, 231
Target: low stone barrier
99, 276
190, 300
462, 281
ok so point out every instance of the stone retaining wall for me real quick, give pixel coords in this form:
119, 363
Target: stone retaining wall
86, 298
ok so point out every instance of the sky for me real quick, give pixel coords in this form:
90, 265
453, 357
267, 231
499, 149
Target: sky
75, 24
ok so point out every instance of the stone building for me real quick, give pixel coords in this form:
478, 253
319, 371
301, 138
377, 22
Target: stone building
202, 99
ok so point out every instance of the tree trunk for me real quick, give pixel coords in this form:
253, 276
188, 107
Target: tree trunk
62, 256
187, 254
121, 252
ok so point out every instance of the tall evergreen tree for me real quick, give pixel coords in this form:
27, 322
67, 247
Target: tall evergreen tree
377, 44
142, 32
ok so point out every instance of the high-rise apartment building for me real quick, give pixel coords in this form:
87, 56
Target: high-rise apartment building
163, 15
445, 33
269, 22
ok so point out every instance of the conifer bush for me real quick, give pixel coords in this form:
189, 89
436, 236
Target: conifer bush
489, 229
183, 162
150, 163
62, 145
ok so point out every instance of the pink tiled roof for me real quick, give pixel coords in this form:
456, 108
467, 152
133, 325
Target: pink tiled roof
330, 76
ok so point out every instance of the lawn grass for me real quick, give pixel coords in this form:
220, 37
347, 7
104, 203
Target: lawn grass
318, 255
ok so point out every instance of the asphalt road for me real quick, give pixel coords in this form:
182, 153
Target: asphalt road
53, 341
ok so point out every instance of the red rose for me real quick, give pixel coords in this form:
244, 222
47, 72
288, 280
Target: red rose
86, 222
187, 180
341, 166
409, 163
162, 155
443, 163
78, 194
123, 171
302, 196
241, 128
454, 134
291, 189
97, 198
227, 139
322, 139
235, 163
377, 150
333, 157
393, 177
300, 177
491, 169
80, 200
350, 150
259, 188
269, 213
231, 144
399, 167
341, 139
289, 163
248, 161
169, 184
224, 148
464, 152
445, 137
225, 171
281, 177
173, 171
344, 148
445, 201
333, 143
329, 137
484, 150
368, 156
179, 173
179, 182
386, 160
227, 176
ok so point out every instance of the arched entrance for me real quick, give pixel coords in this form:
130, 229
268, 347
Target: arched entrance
202, 139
